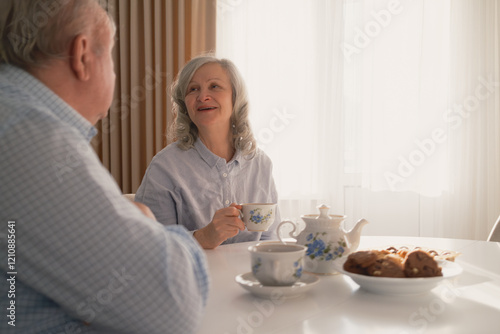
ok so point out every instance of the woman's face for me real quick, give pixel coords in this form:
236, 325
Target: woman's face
209, 98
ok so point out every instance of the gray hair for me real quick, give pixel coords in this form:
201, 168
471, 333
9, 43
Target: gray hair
35, 31
186, 131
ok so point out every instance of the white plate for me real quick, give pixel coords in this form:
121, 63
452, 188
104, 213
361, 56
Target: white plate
402, 286
250, 283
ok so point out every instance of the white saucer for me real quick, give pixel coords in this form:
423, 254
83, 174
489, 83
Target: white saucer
403, 286
250, 283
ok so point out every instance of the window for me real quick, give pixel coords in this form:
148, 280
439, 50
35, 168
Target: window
363, 105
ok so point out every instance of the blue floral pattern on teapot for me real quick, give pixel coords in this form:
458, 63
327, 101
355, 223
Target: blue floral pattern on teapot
325, 239
319, 250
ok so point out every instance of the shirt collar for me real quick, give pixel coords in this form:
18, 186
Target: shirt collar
36, 91
211, 159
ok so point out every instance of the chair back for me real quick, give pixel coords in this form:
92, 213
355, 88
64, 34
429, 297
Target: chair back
130, 196
495, 231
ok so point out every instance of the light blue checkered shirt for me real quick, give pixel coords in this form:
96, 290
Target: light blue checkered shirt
83, 252
187, 187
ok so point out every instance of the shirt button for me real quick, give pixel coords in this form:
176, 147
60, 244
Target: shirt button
225, 174
227, 201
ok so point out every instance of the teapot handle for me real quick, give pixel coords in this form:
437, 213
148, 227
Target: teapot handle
290, 234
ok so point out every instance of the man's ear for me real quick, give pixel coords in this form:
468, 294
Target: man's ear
80, 57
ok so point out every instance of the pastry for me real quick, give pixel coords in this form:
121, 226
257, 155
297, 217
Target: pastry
387, 265
358, 262
419, 263
398, 262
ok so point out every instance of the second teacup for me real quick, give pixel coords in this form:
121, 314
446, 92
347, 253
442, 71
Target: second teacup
258, 217
277, 264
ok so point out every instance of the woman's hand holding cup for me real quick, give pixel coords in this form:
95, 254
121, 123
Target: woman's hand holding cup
225, 224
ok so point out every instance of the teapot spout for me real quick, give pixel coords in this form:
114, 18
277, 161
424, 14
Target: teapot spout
354, 235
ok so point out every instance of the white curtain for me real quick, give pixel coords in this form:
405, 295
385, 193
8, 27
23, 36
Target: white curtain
280, 48
384, 109
472, 202
396, 84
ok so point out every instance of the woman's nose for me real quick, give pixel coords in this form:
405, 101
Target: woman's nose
204, 95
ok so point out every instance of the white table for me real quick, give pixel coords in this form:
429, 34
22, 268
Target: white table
470, 303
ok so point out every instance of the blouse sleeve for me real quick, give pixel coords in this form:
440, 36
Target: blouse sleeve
157, 192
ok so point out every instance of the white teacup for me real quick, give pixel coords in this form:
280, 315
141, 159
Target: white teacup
258, 217
277, 264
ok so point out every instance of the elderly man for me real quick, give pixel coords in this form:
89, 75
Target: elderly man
77, 256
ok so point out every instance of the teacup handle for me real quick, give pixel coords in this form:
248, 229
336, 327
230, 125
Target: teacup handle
290, 234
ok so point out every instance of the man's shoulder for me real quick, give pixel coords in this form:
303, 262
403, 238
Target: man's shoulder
16, 116
19, 109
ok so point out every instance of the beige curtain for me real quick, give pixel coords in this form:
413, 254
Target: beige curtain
154, 39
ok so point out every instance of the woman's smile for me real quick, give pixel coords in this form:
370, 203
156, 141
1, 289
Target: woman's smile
206, 108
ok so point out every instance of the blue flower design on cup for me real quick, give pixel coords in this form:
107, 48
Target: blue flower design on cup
256, 216
298, 271
256, 266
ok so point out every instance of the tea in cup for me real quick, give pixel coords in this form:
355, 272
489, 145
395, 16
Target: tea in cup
277, 264
258, 217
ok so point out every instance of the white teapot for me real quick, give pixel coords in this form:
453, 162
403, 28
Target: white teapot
325, 239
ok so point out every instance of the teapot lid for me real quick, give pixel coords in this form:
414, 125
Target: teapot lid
323, 209
323, 216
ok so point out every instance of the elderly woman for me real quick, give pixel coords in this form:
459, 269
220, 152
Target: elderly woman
214, 163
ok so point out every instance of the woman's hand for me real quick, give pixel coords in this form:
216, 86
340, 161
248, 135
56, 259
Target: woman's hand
225, 224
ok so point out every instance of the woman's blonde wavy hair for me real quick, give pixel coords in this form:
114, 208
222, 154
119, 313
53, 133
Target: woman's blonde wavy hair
185, 130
